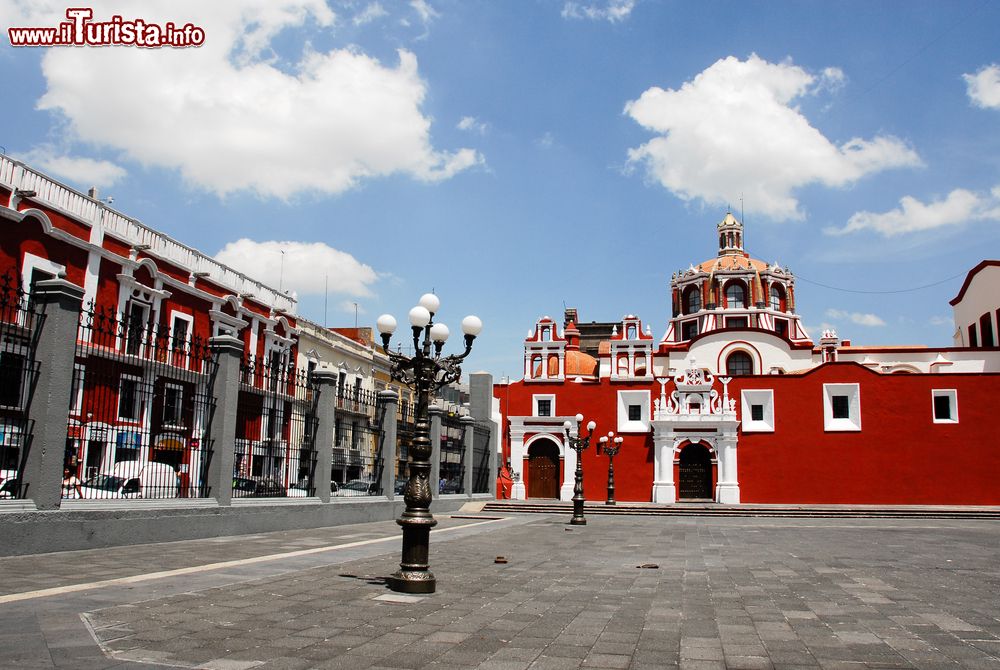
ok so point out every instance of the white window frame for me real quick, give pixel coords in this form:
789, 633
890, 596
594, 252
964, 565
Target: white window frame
763, 397
952, 395
180, 404
626, 398
534, 404
79, 377
32, 262
174, 316
853, 422
139, 409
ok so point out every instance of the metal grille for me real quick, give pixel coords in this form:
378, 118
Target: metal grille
481, 472
452, 455
139, 410
275, 452
356, 466
20, 325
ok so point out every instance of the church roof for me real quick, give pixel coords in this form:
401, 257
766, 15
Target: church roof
731, 262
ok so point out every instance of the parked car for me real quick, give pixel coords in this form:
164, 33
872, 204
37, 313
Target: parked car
399, 487
358, 487
301, 490
244, 487
450, 486
130, 479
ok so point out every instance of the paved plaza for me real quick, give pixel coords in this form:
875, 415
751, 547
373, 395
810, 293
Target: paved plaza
622, 592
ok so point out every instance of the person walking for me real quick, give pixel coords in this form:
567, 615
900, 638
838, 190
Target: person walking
71, 485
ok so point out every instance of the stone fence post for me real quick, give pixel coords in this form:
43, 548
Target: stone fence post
434, 412
225, 390
468, 444
388, 402
325, 384
60, 301
481, 408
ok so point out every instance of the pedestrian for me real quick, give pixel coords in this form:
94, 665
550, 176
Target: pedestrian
504, 483
71, 485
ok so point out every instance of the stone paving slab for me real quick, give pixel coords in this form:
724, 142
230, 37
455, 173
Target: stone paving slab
742, 593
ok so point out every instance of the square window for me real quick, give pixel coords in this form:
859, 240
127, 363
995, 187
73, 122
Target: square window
841, 406
945, 405
689, 329
543, 405
173, 403
758, 410
129, 404
633, 411
781, 327
737, 322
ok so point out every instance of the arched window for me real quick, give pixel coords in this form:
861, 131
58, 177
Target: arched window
640, 365
736, 296
739, 363
692, 300
630, 332
545, 334
777, 297
536, 366
622, 365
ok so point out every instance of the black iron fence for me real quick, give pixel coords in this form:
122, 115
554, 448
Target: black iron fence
482, 472
139, 410
275, 452
405, 428
356, 465
452, 454
20, 325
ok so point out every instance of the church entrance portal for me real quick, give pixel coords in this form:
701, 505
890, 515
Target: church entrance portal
543, 470
695, 476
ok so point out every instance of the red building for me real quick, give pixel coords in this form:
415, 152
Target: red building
736, 403
150, 305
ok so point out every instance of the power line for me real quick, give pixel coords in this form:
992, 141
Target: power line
901, 290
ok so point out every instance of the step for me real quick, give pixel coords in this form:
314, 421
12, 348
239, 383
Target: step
715, 510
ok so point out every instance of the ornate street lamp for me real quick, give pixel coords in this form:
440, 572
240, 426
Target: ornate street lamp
610, 446
426, 371
578, 444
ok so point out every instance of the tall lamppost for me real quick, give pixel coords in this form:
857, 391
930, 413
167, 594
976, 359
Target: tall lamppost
610, 445
578, 444
426, 371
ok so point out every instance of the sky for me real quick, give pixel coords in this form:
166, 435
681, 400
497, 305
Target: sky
521, 157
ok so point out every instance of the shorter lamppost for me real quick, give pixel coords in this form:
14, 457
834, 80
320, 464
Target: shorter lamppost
610, 445
424, 372
578, 444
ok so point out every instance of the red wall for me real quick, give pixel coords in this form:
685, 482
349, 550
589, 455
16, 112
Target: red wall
899, 457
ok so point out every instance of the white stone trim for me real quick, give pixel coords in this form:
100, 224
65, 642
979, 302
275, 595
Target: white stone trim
853, 422
763, 397
626, 398
952, 395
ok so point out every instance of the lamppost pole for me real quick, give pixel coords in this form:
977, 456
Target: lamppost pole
424, 372
610, 446
578, 444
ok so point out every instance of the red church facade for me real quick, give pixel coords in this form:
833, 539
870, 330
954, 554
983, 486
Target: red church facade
736, 404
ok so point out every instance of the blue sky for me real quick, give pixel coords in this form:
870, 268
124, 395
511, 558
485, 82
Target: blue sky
518, 156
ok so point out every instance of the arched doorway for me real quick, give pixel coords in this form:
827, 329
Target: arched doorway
694, 479
543, 469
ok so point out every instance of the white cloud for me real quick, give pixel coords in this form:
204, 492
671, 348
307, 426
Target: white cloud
472, 124
942, 321
304, 267
612, 10
371, 12
960, 206
233, 115
735, 129
349, 307
984, 87
855, 317
547, 140
82, 171
424, 11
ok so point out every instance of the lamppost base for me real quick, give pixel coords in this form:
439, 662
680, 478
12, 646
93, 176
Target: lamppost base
412, 581
577, 522
610, 502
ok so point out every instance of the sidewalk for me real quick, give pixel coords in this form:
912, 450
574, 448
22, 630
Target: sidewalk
742, 593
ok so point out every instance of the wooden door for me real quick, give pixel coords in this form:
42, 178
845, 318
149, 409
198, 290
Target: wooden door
695, 476
543, 470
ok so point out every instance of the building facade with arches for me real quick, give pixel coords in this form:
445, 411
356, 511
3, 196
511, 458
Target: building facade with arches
736, 403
